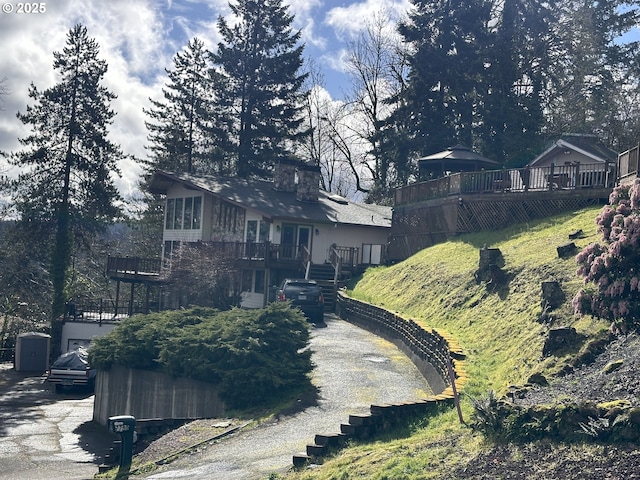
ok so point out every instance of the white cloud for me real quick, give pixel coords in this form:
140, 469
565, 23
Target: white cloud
138, 39
348, 21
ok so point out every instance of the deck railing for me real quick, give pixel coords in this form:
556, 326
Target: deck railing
566, 177
136, 266
628, 163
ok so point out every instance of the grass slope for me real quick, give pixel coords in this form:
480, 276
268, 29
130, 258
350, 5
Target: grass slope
499, 331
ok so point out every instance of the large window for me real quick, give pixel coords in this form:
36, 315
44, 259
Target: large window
257, 231
183, 213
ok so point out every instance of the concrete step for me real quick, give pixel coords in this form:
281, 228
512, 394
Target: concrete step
301, 459
316, 450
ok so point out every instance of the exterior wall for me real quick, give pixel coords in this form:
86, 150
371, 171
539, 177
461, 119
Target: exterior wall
145, 395
345, 236
252, 299
79, 334
559, 158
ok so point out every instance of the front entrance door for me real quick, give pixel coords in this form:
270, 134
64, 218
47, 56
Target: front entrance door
293, 238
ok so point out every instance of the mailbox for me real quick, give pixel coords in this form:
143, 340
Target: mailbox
125, 426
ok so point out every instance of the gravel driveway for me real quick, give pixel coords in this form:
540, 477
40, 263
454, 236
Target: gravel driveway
353, 370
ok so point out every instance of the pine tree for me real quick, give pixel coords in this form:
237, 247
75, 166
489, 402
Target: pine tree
66, 185
446, 65
260, 59
184, 130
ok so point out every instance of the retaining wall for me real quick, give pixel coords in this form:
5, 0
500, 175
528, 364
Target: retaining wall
152, 395
433, 352
430, 350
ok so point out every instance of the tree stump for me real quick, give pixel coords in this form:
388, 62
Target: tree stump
552, 295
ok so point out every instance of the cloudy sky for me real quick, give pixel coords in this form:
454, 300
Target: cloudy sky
138, 39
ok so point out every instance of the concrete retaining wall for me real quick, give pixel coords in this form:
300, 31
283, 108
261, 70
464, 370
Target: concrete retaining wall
145, 395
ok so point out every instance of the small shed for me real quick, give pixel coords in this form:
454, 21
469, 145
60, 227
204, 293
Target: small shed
32, 352
453, 160
575, 148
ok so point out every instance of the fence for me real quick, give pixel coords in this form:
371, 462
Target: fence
567, 177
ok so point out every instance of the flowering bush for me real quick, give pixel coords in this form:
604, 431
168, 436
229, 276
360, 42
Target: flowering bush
610, 269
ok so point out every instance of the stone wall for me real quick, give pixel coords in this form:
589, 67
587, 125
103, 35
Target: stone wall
146, 395
433, 352
430, 350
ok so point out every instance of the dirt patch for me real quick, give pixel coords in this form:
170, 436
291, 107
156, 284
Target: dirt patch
597, 382
188, 438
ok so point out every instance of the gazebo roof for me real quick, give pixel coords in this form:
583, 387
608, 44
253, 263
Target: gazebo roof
456, 159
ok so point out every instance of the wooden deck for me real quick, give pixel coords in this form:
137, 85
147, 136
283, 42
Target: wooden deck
419, 225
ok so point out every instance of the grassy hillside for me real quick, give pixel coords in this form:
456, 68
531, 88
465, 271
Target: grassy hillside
499, 330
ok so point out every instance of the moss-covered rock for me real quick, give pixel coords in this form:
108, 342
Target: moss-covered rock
612, 366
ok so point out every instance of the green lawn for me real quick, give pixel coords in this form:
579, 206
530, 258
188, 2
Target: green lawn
499, 330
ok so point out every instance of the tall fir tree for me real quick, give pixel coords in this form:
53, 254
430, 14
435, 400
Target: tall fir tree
593, 74
260, 58
68, 163
446, 39
185, 131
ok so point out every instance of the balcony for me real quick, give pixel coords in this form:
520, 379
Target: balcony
530, 179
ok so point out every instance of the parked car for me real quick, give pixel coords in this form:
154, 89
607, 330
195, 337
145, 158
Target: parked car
72, 369
305, 295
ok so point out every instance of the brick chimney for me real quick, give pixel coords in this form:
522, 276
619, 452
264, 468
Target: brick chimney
308, 183
284, 175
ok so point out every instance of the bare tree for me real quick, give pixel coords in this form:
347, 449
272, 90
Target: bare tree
324, 147
377, 67
205, 274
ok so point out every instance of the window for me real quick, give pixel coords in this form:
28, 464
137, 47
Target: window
257, 231
197, 208
170, 210
188, 213
252, 231
228, 217
177, 217
247, 277
183, 213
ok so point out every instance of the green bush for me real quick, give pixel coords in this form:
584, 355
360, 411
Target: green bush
254, 355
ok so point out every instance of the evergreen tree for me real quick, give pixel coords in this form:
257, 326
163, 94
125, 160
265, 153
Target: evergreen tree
592, 75
67, 162
184, 130
446, 65
516, 60
260, 59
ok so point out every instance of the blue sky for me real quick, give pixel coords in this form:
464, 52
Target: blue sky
138, 39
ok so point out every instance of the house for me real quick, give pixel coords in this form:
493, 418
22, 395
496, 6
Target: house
275, 229
576, 161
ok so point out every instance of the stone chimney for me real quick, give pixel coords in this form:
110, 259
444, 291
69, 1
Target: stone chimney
284, 175
308, 183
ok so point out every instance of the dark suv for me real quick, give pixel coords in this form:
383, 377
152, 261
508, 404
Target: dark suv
305, 295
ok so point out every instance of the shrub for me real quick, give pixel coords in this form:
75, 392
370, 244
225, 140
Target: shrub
254, 355
610, 268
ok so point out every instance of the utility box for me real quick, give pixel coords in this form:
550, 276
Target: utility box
32, 352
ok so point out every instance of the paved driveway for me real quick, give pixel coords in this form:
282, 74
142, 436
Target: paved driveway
44, 435
353, 370
48, 436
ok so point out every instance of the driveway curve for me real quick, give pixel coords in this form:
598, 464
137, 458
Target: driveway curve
354, 369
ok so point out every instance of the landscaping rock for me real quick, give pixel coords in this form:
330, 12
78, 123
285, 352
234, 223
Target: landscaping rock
567, 250
559, 338
612, 366
552, 295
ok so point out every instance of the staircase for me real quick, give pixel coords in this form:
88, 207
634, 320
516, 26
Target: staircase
323, 273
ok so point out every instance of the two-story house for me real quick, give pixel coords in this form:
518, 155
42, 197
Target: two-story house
276, 229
